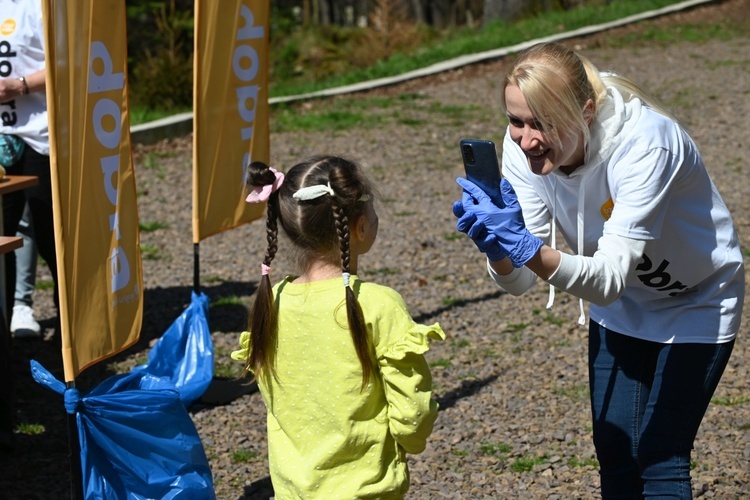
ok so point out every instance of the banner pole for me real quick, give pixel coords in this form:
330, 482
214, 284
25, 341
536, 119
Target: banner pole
196, 268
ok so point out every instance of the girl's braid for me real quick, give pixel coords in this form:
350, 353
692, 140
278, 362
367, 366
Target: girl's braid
342, 229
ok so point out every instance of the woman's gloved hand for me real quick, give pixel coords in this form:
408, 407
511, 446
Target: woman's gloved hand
491, 226
484, 240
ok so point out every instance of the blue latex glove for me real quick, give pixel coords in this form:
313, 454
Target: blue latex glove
504, 224
483, 239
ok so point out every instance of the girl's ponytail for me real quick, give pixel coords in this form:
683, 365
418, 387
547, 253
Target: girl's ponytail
263, 334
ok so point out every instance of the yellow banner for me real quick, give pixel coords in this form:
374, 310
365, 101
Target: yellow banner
94, 191
230, 106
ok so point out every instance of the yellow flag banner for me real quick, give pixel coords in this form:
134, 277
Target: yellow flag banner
93, 184
230, 110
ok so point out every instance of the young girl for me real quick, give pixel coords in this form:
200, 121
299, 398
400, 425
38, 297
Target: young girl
339, 362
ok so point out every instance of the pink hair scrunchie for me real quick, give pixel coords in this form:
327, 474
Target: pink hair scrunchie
261, 193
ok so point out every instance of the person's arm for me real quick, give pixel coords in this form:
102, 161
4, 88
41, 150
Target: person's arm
514, 280
37, 81
601, 278
14, 87
543, 264
400, 347
408, 389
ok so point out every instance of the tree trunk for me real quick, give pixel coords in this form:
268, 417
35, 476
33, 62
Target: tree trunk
418, 8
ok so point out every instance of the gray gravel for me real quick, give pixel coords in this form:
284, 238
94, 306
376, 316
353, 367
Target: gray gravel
511, 377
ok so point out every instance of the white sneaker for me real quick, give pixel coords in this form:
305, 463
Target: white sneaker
23, 324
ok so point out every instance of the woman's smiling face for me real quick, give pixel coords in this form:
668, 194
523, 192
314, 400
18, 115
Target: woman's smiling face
544, 155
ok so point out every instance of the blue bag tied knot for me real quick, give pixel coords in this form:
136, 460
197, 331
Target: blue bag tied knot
72, 397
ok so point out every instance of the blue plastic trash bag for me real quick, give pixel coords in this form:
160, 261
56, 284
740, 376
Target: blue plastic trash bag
137, 439
185, 353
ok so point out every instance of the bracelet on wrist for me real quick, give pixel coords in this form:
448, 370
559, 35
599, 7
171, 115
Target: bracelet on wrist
25, 86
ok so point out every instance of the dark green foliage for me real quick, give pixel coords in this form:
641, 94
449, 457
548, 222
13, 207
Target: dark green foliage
160, 54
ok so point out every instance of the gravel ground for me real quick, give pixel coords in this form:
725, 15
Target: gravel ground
511, 377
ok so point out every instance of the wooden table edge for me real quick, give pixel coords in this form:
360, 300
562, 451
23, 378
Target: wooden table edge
10, 243
11, 183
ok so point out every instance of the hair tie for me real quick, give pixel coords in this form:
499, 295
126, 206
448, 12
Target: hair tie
312, 192
261, 193
264, 270
346, 277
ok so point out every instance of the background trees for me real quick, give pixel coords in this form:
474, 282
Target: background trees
310, 39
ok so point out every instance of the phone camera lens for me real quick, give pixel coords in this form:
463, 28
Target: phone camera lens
468, 154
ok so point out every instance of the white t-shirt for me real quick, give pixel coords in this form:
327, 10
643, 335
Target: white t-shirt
22, 53
644, 182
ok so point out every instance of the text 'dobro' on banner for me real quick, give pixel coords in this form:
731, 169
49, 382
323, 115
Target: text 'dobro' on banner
230, 120
93, 183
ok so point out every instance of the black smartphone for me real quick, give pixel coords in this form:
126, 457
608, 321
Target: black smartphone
482, 167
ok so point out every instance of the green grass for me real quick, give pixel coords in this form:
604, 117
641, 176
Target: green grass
576, 393
445, 363
451, 301
143, 115
730, 400
150, 252
151, 226
371, 113
243, 456
30, 429
586, 462
231, 300
527, 463
516, 327
287, 119
225, 366
495, 449
45, 284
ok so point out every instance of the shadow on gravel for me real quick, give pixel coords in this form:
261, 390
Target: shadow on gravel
428, 316
261, 489
468, 388
222, 391
162, 306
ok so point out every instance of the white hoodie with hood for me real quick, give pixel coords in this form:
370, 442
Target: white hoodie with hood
657, 253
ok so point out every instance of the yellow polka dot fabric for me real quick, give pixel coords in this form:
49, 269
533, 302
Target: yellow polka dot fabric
326, 437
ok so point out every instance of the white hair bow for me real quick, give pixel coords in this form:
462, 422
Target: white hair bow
312, 192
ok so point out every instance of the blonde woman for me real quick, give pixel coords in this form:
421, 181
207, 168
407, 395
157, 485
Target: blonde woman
590, 155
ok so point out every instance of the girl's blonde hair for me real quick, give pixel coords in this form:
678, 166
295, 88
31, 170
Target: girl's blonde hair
557, 83
318, 229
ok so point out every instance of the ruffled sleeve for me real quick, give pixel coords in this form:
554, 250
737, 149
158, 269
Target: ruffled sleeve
408, 386
244, 351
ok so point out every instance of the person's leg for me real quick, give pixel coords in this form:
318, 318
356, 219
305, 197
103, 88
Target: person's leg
686, 377
22, 323
26, 259
39, 199
13, 205
620, 377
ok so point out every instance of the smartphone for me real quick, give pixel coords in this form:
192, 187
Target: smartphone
482, 167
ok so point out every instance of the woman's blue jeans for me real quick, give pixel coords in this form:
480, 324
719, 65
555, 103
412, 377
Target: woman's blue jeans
647, 402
